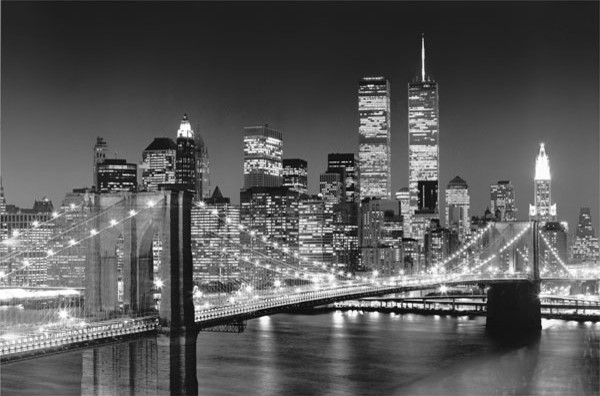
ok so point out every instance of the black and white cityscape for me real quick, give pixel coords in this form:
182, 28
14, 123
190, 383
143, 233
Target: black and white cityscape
300, 198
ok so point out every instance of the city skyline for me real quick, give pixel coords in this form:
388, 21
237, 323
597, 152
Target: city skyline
305, 113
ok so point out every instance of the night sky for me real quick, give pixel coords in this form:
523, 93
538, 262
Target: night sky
511, 75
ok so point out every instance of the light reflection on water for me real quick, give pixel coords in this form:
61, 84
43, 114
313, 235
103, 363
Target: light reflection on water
346, 353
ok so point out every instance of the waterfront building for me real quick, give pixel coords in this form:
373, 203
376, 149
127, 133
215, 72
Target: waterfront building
345, 236
185, 161
374, 151
331, 187
543, 209
412, 256
316, 231
346, 164
502, 201
215, 240
116, 175
423, 147
31, 228
100, 152
158, 163
270, 213
439, 243
381, 236
585, 246
263, 157
458, 203
202, 168
295, 175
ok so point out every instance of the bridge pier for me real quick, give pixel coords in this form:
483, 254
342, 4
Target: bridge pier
514, 308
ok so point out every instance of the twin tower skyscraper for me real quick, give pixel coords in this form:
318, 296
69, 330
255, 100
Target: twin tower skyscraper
423, 146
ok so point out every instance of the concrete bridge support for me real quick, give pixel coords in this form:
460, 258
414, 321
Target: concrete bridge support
514, 308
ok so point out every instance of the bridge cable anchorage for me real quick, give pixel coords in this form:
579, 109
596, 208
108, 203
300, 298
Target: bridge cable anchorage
75, 242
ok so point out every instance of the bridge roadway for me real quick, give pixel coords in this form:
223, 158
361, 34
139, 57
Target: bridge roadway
43, 341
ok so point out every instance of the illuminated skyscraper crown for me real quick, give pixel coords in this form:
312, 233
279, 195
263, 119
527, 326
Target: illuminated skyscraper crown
185, 129
542, 165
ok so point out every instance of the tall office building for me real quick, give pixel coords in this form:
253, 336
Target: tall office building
202, 168
116, 175
585, 246
423, 148
295, 175
185, 162
215, 240
502, 201
346, 165
439, 244
331, 187
374, 149
158, 163
272, 213
403, 196
381, 236
315, 231
543, 209
345, 236
458, 203
263, 157
2, 198
34, 230
100, 151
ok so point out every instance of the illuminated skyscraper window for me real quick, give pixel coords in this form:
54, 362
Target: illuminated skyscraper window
374, 138
158, 163
295, 175
502, 201
185, 169
263, 152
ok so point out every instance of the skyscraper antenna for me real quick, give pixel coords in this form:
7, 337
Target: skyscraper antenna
422, 56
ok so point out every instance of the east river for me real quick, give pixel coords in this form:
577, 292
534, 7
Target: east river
354, 353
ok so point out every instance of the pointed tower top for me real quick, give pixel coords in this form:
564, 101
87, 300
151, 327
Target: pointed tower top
542, 165
185, 129
422, 56
217, 193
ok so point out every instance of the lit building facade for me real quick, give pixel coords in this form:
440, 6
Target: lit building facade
585, 246
381, 236
458, 203
345, 236
423, 146
295, 175
315, 240
263, 157
331, 187
202, 168
439, 243
100, 152
543, 209
116, 175
215, 240
185, 161
158, 163
272, 213
403, 196
346, 164
2, 198
31, 228
374, 151
502, 201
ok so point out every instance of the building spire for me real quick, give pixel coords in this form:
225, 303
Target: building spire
542, 165
422, 56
